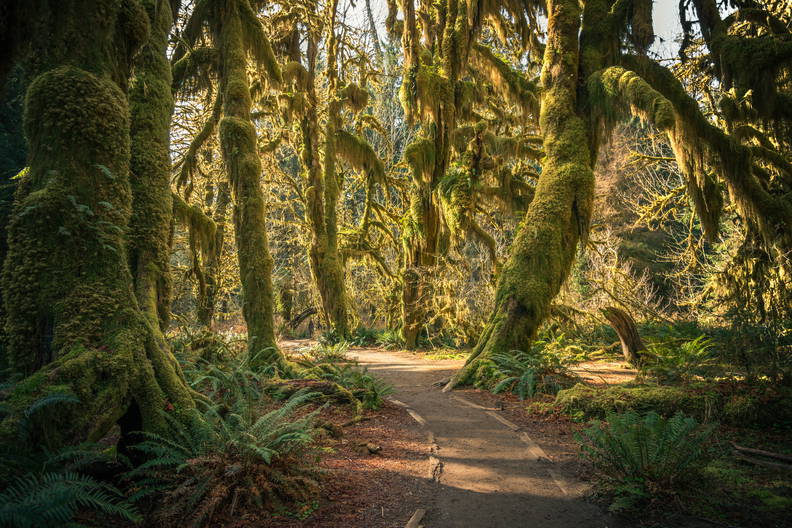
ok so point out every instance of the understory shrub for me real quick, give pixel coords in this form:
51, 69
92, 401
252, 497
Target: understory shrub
48, 488
641, 458
365, 387
390, 339
538, 370
364, 336
674, 361
329, 353
232, 458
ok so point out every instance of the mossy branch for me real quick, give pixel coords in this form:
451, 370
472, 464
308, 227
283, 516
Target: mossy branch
190, 159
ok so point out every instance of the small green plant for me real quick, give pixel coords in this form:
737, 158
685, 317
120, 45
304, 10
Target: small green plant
329, 337
447, 354
528, 373
672, 361
390, 339
51, 500
329, 353
367, 388
364, 336
637, 458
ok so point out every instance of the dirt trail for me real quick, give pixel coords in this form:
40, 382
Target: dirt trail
489, 475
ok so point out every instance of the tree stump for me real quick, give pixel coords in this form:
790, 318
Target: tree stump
627, 330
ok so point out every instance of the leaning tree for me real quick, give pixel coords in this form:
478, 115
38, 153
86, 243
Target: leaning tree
595, 69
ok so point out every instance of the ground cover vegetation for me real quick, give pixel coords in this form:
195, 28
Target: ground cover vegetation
598, 224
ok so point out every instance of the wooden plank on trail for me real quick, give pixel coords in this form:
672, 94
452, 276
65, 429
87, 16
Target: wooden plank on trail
511, 425
416, 518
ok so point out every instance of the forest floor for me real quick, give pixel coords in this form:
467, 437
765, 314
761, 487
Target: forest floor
469, 458
488, 470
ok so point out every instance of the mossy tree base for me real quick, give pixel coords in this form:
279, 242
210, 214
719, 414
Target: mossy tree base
558, 216
74, 322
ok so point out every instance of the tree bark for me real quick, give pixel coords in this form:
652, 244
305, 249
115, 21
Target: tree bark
626, 329
74, 321
240, 153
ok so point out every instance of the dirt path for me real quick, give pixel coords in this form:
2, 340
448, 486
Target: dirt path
489, 473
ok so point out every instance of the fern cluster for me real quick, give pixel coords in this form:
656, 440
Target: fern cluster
366, 388
232, 458
48, 488
640, 457
670, 361
52, 498
329, 353
538, 370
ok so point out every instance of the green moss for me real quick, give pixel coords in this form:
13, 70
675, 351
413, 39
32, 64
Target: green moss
616, 85
708, 402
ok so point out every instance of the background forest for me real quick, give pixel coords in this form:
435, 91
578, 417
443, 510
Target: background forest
186, 187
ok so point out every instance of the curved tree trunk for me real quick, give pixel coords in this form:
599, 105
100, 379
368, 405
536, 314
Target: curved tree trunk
74, 321
625, 327
557, 218
240, 153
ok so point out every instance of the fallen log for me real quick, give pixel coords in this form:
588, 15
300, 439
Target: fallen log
762, 452
765, 463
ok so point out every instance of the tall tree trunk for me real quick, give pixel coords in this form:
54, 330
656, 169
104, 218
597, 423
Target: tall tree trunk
240, 153
327, 265
558, 216
207, 303
151, 108
74, 322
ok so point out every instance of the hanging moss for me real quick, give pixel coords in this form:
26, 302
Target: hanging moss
355, 97
201, 228
420, 155
456, 192
295, 73
508, 83
358, 153
699, 144
511, 147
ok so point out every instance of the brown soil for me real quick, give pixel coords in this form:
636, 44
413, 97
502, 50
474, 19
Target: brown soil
360, 489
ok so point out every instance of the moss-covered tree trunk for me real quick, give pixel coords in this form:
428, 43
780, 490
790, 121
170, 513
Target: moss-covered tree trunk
207, 302
327, 265
241, 157
74, 321
151, 108
558, 216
